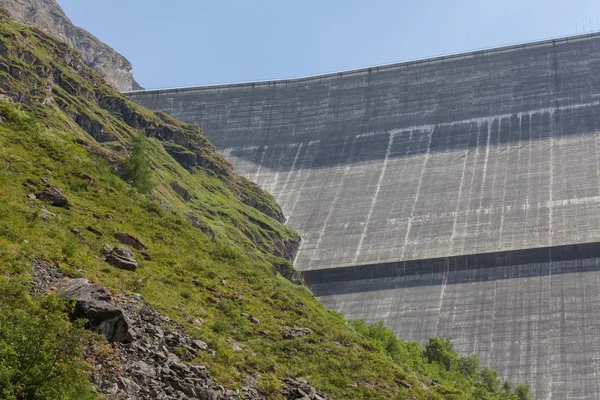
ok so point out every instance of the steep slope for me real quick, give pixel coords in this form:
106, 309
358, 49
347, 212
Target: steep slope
211, 246
49, 16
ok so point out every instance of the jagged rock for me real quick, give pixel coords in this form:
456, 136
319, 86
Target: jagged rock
297, 332
121, 257
288, 271
300, 389
54, 196
186, 158
94, 303
287, 249
128, 385
142, 368
181, 191
95, 129
130, 240
200, 344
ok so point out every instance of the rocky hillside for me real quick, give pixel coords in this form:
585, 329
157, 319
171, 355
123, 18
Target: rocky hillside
49, 16
179, 288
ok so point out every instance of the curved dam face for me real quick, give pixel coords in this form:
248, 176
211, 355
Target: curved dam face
456, 196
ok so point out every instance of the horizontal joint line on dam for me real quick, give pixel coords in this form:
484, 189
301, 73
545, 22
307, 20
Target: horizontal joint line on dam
454, 263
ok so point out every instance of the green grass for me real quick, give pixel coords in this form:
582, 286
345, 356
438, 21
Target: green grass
213, 273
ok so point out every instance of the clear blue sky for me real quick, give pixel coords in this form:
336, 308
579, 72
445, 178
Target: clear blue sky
193, 42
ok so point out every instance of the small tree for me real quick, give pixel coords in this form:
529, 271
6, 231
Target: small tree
138, 170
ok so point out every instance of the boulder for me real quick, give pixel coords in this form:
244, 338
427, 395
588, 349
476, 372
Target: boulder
54, 196
46, 215
121, 257
130, 240
94, 303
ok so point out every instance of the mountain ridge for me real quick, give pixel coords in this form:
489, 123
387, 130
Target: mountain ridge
48, 15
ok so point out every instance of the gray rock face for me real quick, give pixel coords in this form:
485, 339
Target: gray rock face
94, 303
48, 15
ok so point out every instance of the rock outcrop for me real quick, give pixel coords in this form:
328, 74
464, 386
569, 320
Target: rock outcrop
130, 240
95, 304
149, 355
48, 15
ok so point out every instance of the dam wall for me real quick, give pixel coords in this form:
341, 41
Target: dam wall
391, 172
534, 319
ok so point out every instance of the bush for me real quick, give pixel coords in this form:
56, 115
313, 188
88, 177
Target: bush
469, 366
523, 393
489, 379
441, 351
270, 386
40, 350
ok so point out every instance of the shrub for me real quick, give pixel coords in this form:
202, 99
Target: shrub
468, 366
441, 351
40, 350
523, 393
489, 379
270, 386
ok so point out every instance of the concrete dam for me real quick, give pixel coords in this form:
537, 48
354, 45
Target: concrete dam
455, 196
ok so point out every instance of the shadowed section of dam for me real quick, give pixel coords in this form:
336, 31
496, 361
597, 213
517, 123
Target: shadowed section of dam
394, 174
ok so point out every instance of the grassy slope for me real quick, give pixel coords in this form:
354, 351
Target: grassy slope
204, 279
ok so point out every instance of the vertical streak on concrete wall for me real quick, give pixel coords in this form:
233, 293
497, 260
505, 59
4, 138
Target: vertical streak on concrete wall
374, 197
